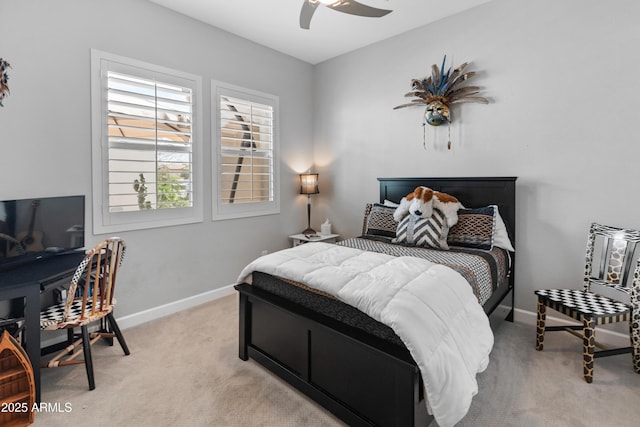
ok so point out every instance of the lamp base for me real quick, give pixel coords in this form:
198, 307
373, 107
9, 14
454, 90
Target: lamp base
309, 231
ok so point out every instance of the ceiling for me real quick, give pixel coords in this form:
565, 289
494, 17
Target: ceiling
275, 23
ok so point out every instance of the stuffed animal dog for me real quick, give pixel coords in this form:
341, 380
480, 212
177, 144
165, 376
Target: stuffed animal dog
422, 201
419, 203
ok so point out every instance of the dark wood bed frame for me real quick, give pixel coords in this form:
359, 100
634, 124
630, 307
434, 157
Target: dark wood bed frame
362, 379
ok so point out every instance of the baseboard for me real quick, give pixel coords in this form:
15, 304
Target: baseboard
605, 336
145, 316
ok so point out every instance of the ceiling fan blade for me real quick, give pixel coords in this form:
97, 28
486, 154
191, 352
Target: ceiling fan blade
354, 8
306, 13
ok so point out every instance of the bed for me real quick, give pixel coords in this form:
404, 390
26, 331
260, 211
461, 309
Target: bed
351, 364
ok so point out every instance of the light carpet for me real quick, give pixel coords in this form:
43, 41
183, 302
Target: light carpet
184, 370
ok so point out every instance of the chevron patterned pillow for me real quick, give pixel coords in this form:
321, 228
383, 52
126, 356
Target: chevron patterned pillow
429, 232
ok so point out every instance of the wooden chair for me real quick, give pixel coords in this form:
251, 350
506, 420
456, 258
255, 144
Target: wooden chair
89, 299
609, 295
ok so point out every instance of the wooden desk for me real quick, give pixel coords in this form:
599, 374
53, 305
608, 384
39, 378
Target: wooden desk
24, 282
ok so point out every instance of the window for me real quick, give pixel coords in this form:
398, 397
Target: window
246, 152
146, 145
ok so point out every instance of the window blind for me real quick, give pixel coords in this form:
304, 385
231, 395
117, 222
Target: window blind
150, 144
246, 151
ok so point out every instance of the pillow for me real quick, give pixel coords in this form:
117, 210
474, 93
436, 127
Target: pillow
475, 228
390, 203
380, 222
500, 234
367, 211
429, 232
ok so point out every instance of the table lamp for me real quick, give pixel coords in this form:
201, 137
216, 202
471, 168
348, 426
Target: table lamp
309, 186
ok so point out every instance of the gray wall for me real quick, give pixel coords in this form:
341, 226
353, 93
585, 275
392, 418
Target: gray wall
45, 134
565, 105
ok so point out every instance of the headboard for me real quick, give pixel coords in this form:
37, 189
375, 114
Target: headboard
471, 192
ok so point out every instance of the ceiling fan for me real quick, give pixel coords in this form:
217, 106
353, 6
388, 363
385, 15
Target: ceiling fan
346, 6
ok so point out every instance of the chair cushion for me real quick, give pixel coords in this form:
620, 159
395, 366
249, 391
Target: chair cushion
51, 318
581, 301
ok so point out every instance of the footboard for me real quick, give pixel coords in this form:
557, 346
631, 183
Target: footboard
361, 379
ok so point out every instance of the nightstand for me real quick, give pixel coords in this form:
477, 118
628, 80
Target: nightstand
299, 239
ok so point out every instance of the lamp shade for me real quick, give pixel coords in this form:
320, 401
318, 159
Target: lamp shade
309, 183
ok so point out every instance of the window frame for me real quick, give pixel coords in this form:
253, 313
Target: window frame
109, 222
222, 211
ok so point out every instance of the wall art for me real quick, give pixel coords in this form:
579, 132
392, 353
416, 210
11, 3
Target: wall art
4, 78
439, 91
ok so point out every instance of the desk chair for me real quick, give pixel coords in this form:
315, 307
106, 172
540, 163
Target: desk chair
89, 299
609, 295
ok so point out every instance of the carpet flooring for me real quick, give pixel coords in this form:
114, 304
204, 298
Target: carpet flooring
184, 370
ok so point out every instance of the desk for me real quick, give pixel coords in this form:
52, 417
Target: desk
24, 282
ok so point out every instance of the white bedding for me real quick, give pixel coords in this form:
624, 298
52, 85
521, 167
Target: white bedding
431, 308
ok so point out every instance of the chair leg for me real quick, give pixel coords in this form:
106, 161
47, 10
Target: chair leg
70, 336
634, 334
86, 348
104, 328
589, 342
116, 330
542, 317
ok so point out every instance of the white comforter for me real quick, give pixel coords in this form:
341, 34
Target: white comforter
430, 307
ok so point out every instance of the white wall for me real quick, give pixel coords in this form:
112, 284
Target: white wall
45, 134
565, 105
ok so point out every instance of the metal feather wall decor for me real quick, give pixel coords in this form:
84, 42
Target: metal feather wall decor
439, 91
4, 78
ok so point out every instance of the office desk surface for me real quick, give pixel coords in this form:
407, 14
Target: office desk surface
43, 270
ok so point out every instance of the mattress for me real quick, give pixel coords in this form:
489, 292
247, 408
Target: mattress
484, 270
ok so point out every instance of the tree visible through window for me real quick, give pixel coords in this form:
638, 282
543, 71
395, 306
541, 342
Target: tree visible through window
150, 140
246, 153
246, 142
146, 144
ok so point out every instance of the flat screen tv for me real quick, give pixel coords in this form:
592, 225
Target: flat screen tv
36, 228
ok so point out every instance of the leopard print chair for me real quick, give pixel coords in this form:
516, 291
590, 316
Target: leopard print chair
609, 295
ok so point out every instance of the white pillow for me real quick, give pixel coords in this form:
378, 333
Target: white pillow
500, 235
390, 203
